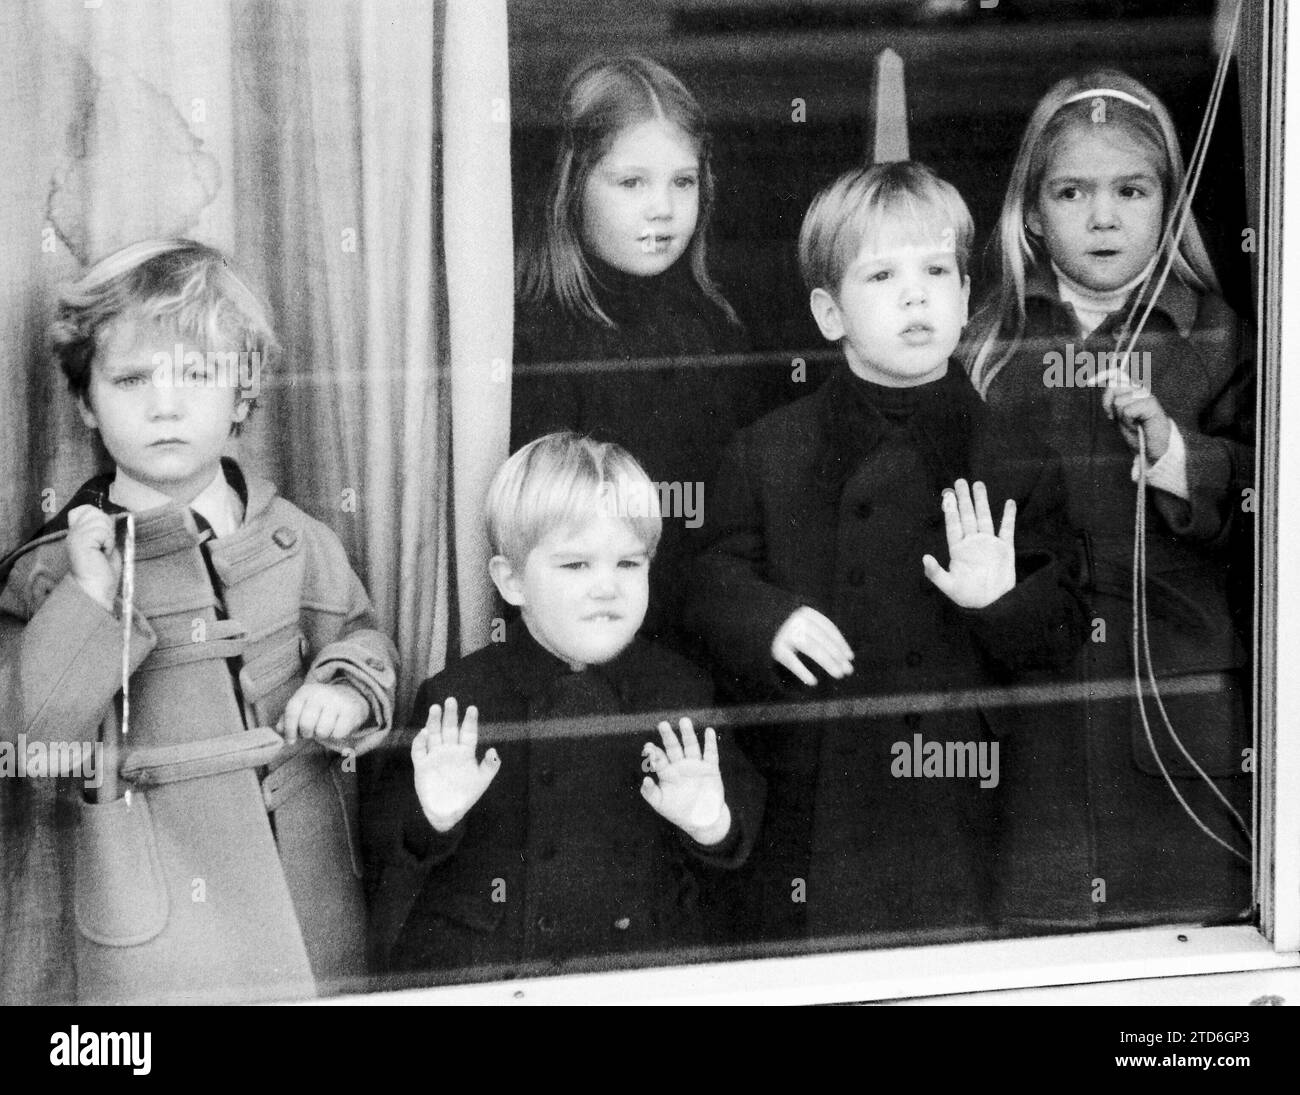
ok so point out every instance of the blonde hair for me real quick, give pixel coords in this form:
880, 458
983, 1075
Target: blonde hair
564, 480
180, 284
999, 324
858, 205
602, 97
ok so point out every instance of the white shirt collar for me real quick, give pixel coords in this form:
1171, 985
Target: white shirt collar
218, 502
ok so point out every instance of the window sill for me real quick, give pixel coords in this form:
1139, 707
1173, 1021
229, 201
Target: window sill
1002, 971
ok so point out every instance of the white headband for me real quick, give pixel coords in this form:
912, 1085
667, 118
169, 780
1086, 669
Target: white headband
1107, 92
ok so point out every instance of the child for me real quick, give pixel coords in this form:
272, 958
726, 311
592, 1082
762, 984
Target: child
820, 577
557, 844
216, 859
613, 274
1095, 835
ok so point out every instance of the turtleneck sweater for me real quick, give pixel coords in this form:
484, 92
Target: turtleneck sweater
895, 405
1090, 306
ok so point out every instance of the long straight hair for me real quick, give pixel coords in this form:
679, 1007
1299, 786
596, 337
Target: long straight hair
999, 324
603, 97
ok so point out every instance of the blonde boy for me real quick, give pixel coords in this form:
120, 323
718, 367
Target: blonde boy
821, 576
570, 839
216, 860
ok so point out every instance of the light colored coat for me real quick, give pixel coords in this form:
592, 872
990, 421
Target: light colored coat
232, 869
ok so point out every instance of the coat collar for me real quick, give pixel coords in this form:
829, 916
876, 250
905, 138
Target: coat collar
945, 414
256, 494
1177, 301
535, 669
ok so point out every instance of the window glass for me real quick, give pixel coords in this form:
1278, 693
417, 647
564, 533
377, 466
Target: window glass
986, 768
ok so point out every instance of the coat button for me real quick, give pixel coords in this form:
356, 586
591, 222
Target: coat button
623, 923
914, 658
546, 776
285, 537
548, 852
856, 576
545, 924
863, 510
912, 720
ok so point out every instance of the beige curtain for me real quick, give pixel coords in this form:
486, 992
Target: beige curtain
305, 138
480, 279
335, 108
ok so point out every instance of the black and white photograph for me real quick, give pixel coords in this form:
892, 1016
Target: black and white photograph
649, 502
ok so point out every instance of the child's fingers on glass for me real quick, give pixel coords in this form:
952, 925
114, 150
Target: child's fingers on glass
424, 739
672, 746
965, 507
469, 728
983, 517
951, 516
710, 746
450, 722
652, 792
1008, 530
652, 757
690, 743
936, 573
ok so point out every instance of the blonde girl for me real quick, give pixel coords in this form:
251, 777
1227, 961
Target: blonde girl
1093, 832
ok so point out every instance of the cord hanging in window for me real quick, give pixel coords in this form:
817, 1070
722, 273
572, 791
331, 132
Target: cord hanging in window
128, 614
1167, 253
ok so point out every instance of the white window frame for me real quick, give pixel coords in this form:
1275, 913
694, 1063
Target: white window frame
1119, 966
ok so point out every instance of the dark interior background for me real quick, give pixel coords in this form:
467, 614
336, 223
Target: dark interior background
973, 76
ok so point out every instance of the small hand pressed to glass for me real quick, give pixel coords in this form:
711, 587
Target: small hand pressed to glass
685, 787
981, 568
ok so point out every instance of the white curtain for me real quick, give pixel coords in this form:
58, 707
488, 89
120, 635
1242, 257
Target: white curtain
307, 138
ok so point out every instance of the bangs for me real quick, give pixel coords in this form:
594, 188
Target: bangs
569, 503
563, 482
203, 304
907, 221
889, 204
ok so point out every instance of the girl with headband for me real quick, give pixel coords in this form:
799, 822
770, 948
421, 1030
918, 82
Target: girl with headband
1112, 816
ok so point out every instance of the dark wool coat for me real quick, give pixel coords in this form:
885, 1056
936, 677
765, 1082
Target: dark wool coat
828, 503
561, 860
233, 870
645, 383
1093, 832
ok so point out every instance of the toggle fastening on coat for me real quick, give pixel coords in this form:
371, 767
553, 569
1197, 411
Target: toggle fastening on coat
227, 864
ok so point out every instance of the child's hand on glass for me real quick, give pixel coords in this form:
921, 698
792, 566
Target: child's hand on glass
93, 557
326, 712
806, 631
981, 565
689, 789
449, 778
